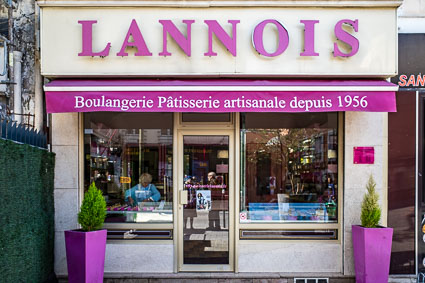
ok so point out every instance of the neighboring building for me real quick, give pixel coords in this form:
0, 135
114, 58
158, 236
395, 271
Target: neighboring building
21, 94
406, 143
286, 102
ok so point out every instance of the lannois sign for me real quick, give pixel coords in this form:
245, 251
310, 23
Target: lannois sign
248, 41
134, 38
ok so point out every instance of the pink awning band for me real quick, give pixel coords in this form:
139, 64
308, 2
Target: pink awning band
219, 95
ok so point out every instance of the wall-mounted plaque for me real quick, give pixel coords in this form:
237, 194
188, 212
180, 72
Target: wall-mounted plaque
364, 155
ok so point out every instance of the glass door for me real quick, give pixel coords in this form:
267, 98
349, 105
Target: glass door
205, 200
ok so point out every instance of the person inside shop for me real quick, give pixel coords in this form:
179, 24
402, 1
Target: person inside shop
212, 178
142, 192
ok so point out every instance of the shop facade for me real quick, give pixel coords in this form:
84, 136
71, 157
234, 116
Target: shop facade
406, 158
258, 127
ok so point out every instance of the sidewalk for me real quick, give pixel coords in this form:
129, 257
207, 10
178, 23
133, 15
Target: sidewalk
221, 278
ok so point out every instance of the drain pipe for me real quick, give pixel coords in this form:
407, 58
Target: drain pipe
17, 98
38, 95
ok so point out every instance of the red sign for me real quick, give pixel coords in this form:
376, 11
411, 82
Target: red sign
364, 155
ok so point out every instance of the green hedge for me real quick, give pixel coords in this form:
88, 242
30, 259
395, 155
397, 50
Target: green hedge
26, 213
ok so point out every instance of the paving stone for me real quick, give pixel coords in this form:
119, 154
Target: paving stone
274, 280
118, 280
342, 280
180, 280
235, 280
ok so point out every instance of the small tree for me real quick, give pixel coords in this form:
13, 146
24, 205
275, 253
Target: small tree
371, 212
93, 210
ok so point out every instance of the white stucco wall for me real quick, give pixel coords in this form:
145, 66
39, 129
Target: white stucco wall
139, 258
65, 145
289, 256
412, 8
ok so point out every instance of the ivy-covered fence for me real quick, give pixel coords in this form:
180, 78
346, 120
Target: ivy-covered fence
26, 213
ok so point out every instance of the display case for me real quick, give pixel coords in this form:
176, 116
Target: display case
156, 212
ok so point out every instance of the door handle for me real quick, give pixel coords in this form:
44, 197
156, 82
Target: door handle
182, 197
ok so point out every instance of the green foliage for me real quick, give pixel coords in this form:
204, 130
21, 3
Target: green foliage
27, 212
93, 210
371, 212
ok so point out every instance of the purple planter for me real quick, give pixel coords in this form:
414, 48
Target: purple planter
85, 255
372, 253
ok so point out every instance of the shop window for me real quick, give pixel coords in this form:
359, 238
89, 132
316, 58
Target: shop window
289, 167
129, 157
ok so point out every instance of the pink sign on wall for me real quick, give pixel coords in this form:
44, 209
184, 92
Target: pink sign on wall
364, 155
222, 168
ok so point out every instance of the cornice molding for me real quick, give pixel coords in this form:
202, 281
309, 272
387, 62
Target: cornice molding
221, 3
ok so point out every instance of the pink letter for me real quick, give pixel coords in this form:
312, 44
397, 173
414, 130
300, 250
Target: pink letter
139, 41
220, 33
309, 38
258, 38
181, 40
87, 39
402, 81
346, 37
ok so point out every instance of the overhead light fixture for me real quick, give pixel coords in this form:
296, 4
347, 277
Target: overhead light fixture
223, 154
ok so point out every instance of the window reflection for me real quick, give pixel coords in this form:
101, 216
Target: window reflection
131, 166
206, 214
402, 182
289, 167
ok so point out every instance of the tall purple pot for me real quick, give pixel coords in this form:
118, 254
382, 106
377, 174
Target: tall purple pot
85, 255
372, 253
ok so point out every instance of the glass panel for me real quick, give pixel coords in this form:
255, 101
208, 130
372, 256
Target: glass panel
289, 167
129, 157
205, 117
401, 182
206, 215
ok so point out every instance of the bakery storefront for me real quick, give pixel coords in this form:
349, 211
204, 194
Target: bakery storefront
252, 129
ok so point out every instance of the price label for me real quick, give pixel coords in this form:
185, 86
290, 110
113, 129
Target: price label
125, 180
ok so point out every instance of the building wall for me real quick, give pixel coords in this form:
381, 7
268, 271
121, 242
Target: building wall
25, 37
25, 33
411, 19
65, 145
363, 129
412, 8
290, 256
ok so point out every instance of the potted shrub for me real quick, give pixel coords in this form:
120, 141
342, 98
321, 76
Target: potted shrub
85, 248
371, 242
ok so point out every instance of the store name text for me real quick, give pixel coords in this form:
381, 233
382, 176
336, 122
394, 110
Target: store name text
180, 103
411, 81
134, 38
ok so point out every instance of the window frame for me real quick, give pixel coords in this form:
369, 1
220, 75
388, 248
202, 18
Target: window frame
202, 125
117, 225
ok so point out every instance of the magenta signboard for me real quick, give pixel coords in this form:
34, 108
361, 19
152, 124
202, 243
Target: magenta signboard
218, 96
219, 101
364, 155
